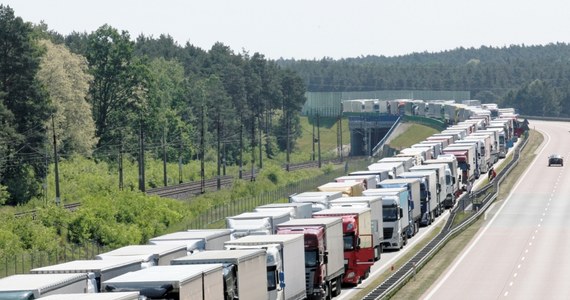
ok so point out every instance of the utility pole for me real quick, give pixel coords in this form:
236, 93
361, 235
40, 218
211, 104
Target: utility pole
141, 158
260, 143
252, 148
180, 161
218, 148
57, 193
313, 153
202, 150
121, 181
319, 138
340, 134
240, 150
288, 136
164, 176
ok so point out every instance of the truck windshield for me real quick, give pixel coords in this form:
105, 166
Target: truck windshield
311, 258
389, 213
423, 191
463, 165
348, 241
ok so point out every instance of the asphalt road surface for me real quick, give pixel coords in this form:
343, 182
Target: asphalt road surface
523, 249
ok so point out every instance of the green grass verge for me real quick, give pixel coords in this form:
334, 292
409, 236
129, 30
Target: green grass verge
415, 133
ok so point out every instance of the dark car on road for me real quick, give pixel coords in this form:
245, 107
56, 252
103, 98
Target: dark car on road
555, 159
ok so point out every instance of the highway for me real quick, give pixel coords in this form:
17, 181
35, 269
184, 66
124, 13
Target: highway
522, 250
389, 258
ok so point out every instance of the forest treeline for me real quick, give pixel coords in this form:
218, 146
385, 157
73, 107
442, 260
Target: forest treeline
533, 79
104, 94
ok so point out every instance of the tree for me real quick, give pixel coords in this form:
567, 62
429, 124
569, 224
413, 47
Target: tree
170, 115
66, 79
293, 90
24, 111
119, 83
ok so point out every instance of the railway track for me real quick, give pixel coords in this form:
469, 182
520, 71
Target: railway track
185, 190
189, 189
33, 213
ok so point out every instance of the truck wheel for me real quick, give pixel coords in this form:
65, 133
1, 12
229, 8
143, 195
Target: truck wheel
367, 274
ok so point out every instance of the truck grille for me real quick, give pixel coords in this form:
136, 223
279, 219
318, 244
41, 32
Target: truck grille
388, 233
309, 275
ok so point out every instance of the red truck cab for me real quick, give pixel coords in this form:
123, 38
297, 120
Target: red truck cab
358, 247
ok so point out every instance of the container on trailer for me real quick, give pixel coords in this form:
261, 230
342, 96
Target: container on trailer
368, 181
172, 282
394, 168
99, 269
195, 239
249, 267
318, 200
381, 174
348, 189
33, 286
152, 255
285, 275
96, 296
407, 161
256, 222
296, 210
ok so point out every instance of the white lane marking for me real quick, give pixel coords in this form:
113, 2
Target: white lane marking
519, 266
511, 283
515, 275
506, 294
440, 283
522, 258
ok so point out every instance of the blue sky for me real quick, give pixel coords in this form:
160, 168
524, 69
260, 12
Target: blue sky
307, 29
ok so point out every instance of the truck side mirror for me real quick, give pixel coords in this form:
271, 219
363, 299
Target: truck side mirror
281, 280
401, 213
326, 258
453, 180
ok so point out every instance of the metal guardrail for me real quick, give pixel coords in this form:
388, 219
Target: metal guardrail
409, 269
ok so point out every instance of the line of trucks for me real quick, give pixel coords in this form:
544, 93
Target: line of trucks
309, 248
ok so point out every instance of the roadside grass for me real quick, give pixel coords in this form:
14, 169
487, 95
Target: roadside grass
430, 273
413, 134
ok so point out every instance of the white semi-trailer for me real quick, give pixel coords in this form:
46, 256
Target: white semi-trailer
195, 239
248, 268
152, 255
100, 269
33, 286
256, 222
285, 275
296, 210
172, 282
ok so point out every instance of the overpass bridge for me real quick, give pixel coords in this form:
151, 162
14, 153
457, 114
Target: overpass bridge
368, 131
